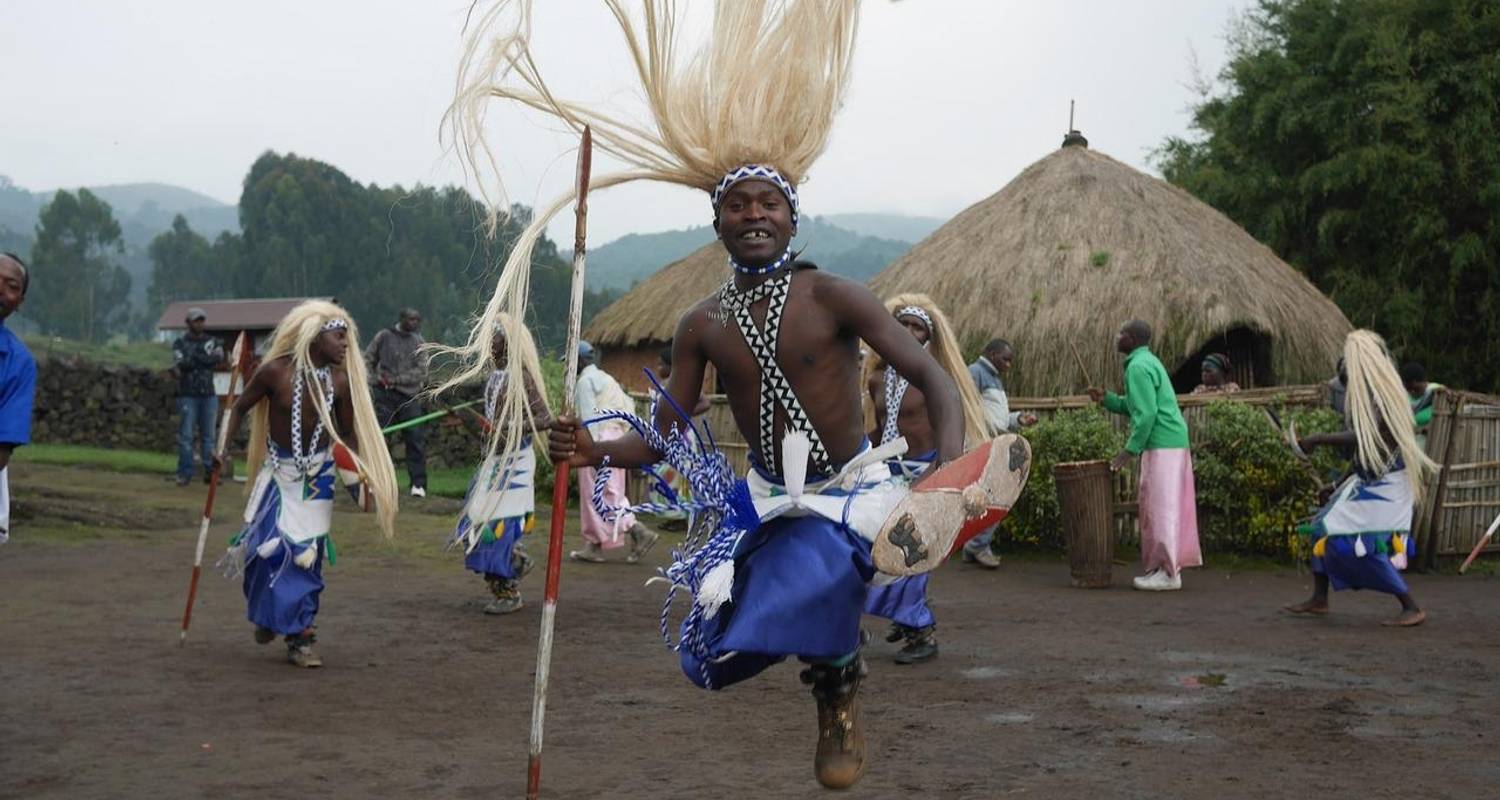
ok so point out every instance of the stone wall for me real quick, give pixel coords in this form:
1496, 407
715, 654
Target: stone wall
78, 402
134, 408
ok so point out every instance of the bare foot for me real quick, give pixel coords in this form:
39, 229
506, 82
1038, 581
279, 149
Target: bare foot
1313, 607
1408, 619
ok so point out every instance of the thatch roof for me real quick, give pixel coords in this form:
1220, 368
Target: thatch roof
648, 313
1079, 243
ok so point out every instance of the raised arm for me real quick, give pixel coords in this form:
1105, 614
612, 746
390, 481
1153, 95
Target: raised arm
861, 312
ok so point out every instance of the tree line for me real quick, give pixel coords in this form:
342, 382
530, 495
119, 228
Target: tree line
1360, 140
306, 230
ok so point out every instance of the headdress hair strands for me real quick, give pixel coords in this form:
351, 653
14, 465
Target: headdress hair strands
762, 89
1377, 404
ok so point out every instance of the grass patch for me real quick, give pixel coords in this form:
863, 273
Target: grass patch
153, 355
451, 482
77, 455
1099, 258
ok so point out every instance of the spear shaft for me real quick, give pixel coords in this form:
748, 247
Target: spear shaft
560, 478
239, 358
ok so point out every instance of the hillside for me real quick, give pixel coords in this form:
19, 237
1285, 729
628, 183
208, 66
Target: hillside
900, 227
632, 258
142, 209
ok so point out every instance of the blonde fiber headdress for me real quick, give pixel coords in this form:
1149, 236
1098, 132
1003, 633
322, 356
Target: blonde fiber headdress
943, 347
1378, 405
762, 90
294, 337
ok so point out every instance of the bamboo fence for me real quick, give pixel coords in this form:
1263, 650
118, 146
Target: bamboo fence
1455, 508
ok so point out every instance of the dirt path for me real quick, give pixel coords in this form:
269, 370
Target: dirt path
1040, 690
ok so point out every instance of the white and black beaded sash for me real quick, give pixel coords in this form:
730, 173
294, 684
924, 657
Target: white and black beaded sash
323, 377
492, 388
895, 393
775, 389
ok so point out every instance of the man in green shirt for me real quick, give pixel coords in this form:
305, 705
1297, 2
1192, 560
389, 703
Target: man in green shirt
1168, 510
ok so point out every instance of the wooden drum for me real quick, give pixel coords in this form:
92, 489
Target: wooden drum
1086, 498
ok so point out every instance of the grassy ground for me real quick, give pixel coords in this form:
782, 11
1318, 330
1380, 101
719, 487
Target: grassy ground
75, 455
155, 355
451, 482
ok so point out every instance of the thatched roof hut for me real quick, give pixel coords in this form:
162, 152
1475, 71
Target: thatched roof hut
633, 329
1079, 243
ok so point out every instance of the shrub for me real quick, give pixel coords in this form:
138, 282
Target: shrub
1081, 435
1251, 489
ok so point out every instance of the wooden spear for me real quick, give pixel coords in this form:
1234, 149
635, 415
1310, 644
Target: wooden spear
1483, 540
1088, 380
238, 359
560, 477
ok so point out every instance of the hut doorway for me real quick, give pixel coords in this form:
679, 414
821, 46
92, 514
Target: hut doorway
1250, 351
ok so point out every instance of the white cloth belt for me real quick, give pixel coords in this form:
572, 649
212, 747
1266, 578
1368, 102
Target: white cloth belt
866, 489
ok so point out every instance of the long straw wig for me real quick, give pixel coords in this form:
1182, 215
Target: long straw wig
1380, 411
523, 365
942, 346
763, 89
294, 337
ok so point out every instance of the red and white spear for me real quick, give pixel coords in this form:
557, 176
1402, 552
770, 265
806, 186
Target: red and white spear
236, 370
560, 478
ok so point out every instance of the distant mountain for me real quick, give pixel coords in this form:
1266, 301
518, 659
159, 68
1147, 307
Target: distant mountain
888, 226
637, 256
142, 209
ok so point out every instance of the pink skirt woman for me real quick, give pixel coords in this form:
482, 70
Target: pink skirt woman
1168, 511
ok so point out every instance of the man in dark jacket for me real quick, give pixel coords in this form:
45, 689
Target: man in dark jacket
195, 356
398, 372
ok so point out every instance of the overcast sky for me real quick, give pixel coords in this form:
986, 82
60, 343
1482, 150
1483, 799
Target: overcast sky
950, 99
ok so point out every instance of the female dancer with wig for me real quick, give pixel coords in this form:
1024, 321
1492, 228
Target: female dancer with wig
1361, 537
308, 404
895, 410
501, 498
742, 117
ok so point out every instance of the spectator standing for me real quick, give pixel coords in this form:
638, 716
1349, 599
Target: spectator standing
398, 371
988, 372
195, 356
17, 379
598, 393
1159, 437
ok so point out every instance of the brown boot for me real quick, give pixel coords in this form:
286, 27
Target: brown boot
507, 595
840, 758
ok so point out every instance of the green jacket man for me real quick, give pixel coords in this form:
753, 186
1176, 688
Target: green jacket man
1159, 436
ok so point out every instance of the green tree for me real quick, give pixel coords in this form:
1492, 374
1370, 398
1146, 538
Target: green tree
1360, 140
79, 288
183, 267
308, 230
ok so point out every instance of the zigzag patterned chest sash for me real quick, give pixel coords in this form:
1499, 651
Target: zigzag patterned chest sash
775, 389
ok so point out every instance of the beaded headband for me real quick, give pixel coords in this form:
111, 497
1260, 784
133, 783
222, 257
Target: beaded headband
918, 312
335, 324
761, 172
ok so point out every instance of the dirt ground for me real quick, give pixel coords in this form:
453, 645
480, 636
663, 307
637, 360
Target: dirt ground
1040, 690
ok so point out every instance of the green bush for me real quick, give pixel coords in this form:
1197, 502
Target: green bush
1081, 435
1251, 489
